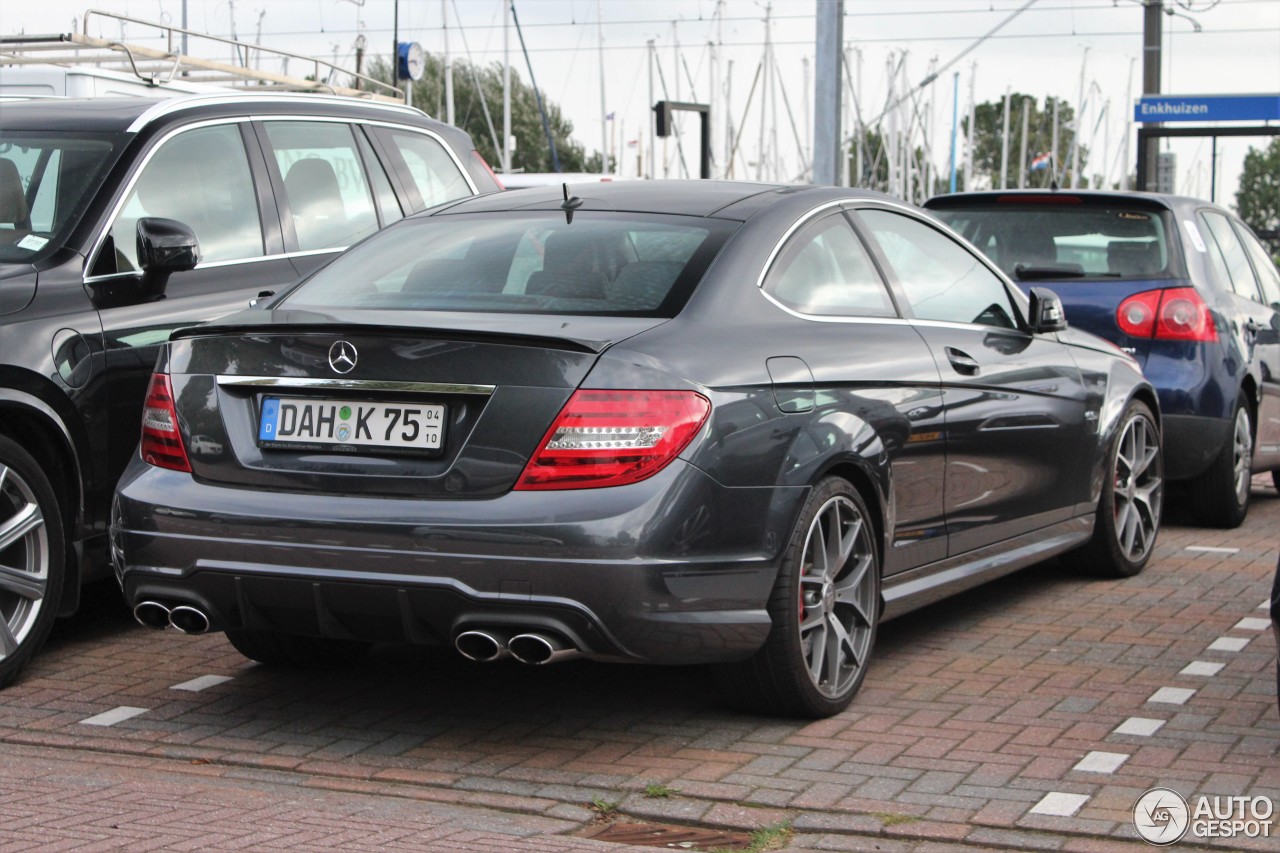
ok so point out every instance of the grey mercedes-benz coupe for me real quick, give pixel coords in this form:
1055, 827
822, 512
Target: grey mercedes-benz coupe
665, 422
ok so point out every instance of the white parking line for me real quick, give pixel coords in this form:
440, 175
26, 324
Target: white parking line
115, 715
1172, 695
1139, 726
195, 685
1202, 667
1252, 623
1228, 644
1058, 804
1102, 762
1209, 549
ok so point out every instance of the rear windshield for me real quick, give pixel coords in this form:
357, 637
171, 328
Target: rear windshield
46, 180
519, 263
1031, 241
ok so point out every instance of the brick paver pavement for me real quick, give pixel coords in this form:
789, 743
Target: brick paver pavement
1028, 714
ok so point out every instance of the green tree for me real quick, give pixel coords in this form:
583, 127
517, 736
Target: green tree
1258, 196
532, 153
988, 140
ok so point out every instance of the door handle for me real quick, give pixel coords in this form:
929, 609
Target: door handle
962, 361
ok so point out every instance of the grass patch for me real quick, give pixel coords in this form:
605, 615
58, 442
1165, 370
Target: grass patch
659, 792
603, 807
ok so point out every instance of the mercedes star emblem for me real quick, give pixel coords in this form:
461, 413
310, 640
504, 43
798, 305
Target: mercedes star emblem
342, 357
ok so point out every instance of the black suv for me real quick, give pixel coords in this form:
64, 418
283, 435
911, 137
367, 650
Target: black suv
122, 219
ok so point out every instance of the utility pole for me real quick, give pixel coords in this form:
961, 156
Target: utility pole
448, 64
1152, 37
1004, 145
1022, 164
604, 116
506, 86
826, 92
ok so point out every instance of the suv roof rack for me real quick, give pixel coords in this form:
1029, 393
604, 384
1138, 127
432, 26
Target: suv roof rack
159, 67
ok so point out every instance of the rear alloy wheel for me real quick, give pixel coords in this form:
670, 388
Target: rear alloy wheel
31, 558
1220, 497
824, 607
296, 650
1129, 508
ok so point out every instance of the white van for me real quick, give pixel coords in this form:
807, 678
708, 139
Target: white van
57, 81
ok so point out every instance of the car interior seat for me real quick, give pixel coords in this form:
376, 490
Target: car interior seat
1133, 258
15, 217
315, 198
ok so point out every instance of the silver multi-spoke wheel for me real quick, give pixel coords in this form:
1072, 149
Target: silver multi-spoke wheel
823, 612
1139, 488
1242, 454
837, 596
24, 560
1127, 519
31, 549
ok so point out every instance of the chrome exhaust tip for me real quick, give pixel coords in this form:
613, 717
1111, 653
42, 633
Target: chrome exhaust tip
188, 620
480, 646
539, 649
152, 614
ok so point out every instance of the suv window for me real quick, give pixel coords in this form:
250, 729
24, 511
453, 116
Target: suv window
45, 182
324, 182
941, 279
1240, 276
435, 175
199, 177
825, 270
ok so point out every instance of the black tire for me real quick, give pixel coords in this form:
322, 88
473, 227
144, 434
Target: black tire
1275, 479
1220, 496
295, 650
32, 558
825, 599
1132, 499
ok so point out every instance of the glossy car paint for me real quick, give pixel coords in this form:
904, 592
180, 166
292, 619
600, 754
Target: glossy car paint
673, 569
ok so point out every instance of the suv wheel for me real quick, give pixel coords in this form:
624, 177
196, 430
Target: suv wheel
32, 564
1220, 497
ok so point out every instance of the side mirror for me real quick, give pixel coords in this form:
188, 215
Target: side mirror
1047, 313
166, 246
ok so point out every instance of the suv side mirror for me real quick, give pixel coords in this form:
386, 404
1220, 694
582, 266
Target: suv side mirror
1047, 313
166, 246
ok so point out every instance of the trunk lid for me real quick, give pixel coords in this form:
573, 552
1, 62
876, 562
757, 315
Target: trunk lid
428, 411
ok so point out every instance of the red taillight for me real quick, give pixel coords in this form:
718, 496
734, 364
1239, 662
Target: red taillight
1176, 314
161, 444
611, 438
1137, 314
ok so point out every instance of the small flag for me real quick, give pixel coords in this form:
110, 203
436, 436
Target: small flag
632, 143
1041, 161
609, 117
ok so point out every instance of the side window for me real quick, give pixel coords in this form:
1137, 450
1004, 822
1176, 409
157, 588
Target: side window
824, 270
388, 205
200, 177
434, 173
1240, 274
942, 279
325, 186
1268, 275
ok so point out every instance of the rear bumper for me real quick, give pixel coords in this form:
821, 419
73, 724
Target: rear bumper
1191, 443
676, 569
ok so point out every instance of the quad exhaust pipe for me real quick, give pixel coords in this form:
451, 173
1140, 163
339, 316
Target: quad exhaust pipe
184, 617
532, 648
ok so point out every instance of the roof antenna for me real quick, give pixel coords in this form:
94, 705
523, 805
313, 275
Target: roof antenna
1053, 170
571, 203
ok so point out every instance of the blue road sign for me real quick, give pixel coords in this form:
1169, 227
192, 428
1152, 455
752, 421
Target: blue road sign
1210, 108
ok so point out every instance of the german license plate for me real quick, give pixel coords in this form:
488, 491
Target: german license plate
351, 423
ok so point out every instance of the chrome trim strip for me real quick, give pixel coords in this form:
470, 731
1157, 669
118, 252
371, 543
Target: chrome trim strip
828, 318
287, 382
